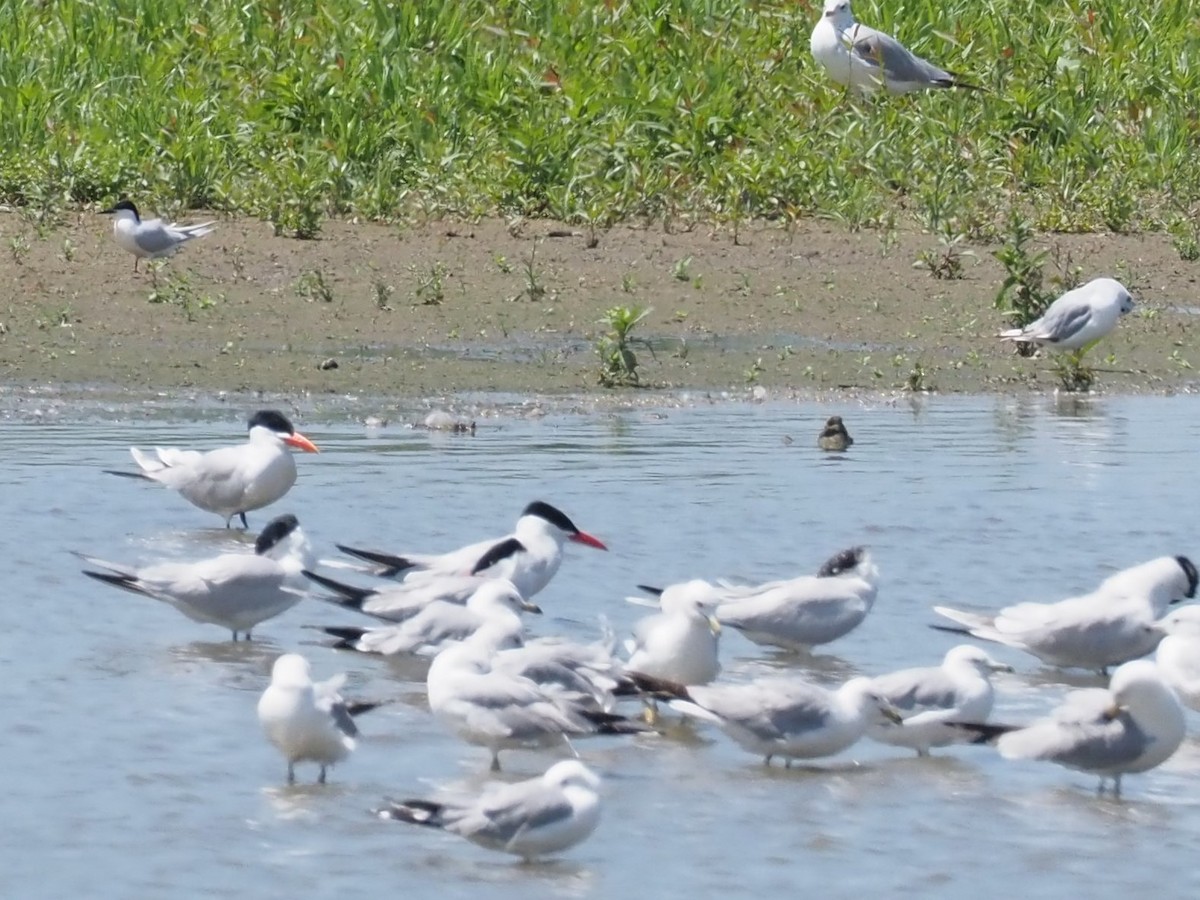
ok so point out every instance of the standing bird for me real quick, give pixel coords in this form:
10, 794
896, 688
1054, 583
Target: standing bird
307, 721
230, 481
680, 643
150, 238
864, 59
532, 818
834, 436
1178, 654
1078, 319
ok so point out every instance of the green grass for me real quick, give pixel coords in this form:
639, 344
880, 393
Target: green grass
594, 111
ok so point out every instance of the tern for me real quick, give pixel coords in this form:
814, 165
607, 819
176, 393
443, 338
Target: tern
230, 481
150, 238
234, 590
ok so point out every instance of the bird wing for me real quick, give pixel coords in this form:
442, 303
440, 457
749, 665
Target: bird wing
877, 50
1060, 323
503, 814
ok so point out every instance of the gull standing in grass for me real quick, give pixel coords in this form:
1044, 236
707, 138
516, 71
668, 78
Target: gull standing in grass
1078, 319
679, 643
1104, 628
1178, 654
864, 59
1133, 726
308, 721
529, 819
959, 690
150, 238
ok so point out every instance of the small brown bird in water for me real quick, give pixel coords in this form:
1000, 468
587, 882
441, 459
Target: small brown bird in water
834, 436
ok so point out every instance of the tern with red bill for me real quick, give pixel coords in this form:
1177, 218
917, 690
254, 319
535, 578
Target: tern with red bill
230, 481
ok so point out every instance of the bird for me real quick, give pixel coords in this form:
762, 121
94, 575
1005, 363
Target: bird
800, 613
787, 717
537, 817
959, 690
150, 238
1104, 628
1178, 653
529, 557
229, 481
680, 643
308, 721
1078, 319
234, 590
864, 59
401, 601
834, 436
1133, 726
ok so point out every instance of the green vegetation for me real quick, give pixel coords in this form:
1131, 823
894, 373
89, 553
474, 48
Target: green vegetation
594, 111
618, 364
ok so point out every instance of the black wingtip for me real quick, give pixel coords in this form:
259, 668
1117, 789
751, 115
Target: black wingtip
391, 564
658, 688
116, 579
653, 591
415, 812
348, 595
952, 629
982, 732
615, 723
142, 475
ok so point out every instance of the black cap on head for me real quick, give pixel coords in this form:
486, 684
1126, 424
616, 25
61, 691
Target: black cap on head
1189, 569
841, 562
273, 420
124, 204
555, 517
277, 529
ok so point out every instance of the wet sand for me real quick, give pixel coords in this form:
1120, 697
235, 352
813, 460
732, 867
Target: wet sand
442, 308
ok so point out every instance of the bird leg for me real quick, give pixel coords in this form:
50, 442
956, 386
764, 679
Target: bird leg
291, 774
495, 760
245, 524
321, 777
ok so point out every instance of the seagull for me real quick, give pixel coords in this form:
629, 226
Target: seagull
679, 643
307, 721
865, 59
1133, 726
834, 436
1178, 654
150, 238
1097, 630
959, 690
234, 590
803, 612
528, 557
788, 717
532, 818
230, 481
1078, 319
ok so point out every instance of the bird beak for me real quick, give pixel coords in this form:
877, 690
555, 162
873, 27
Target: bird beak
890, 713
300, 442
582, 537
1001, 667
1112, 712
715, 625
529, 607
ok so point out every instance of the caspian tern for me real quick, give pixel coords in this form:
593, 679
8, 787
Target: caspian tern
307, 721
150, 238
529, 819
230, 481
1104, 628
528, 557
234, 590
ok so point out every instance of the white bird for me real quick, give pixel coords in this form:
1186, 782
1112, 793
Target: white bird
805, 611
1133, 726
496, 602
959, 690
230, 481
307, 721
1104, 628
788, 717
533, 818
680, 643
529, 557
234, 590
865, 59
1077, 319
499, 710
150, 238
1178, 654
399, 602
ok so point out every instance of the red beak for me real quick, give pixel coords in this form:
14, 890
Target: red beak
300, 442
582, 537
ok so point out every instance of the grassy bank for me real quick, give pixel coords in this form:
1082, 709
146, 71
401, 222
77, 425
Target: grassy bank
593, 111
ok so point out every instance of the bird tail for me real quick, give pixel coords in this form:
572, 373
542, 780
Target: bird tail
957, 81
695, 711
347, 636
360, 707
416, 812
389, 564
657, 688
349, 596
614, 723
123, 580
982, 732
200, 229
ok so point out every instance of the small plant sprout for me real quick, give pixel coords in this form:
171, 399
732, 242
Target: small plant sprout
682, 270
431, 285
382, 292
311, 285
618, 363
534, 289
946, 261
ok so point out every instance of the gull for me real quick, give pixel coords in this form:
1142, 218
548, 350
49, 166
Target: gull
679, 643
1078, 319
537, 817
788, 717
498, 710
230, 481
1178, 654
150, 238
959, 690
834, 436
1097, 630
529, 557
307, 721
234, 590
865, 59
803, 612
1133, 726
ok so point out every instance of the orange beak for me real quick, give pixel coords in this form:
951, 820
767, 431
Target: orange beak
583, 537
300, 442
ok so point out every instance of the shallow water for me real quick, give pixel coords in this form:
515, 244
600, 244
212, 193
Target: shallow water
135, 766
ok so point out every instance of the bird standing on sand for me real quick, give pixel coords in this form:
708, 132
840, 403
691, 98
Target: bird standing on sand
864, 59
150, 238
1078, 319
834, 435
